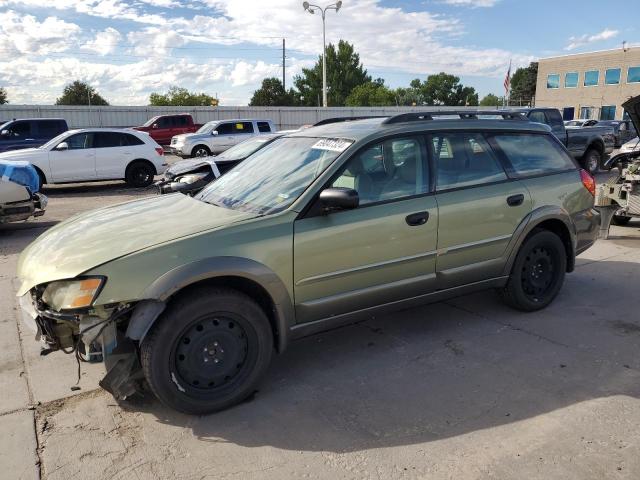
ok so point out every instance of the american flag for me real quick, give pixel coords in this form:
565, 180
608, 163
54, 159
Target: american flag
507, 80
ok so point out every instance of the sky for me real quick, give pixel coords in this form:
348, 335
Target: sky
128, 49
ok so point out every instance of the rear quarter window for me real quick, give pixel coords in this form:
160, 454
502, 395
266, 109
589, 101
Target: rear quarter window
264, 127
531, 154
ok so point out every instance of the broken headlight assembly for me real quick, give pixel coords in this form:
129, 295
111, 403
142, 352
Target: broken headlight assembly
72, 294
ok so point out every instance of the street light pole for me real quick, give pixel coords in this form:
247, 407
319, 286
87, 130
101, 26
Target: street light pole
323, 11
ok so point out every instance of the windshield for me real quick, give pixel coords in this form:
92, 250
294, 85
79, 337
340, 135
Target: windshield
244, 149
274, 177
2, 124
54, 141
150, 122
207, 127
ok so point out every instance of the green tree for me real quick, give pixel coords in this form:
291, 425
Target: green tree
3, 96
80, 93
371, 94
491, 100
272, 94
177, 96
523, 85
344, 73
446, 89
411, 95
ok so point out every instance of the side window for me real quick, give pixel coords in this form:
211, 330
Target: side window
553, 118
80, 141
49, 128
181, 121
390, 170
531, 154
224, 129
465, 159
538, 117
129, 139
264, 127
243, 127
20, 130
107, 140
165, 122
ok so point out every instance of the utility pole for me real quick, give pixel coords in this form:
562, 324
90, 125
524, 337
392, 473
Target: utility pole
284, 86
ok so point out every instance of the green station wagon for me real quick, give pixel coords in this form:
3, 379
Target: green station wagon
323, 227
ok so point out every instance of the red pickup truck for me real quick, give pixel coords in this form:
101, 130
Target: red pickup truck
163, 127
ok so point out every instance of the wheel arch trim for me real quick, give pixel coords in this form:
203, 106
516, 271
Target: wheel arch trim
175, 280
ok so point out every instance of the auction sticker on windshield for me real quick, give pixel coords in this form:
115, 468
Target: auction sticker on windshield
332, 144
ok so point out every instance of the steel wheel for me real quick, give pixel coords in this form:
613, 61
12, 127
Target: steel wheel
537, 273
211, 353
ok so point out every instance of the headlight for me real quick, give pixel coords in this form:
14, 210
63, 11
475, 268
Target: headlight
69, 294
191, 177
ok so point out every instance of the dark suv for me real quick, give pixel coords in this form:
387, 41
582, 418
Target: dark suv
30, 132
320, 228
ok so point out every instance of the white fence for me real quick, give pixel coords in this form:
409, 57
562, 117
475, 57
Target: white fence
113, 116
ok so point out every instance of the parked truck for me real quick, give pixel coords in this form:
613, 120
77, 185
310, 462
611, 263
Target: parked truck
163, 127
22, 133
589, 145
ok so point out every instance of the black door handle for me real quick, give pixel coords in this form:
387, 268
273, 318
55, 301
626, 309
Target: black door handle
515, 200
416, 219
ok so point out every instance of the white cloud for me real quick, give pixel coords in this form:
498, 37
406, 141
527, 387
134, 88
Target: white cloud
472, 3
104, 43
155, 41
576, 42
25, 34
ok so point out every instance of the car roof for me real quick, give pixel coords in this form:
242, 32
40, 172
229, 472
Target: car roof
107, 129
372, 127
240, 120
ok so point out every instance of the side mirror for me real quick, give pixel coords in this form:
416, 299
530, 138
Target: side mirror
62, 146
215, 132
5, 133
155, 125
339, 198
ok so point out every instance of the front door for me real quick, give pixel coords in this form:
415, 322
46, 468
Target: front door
479, 208
380, 252
77, 162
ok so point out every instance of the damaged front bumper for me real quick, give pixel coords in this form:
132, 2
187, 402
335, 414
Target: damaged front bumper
18, 211
110, 334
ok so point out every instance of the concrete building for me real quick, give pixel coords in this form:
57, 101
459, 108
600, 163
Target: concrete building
589, 85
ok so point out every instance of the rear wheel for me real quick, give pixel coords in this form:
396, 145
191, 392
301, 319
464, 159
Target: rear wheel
140, 174
201, 151
208, 351
620, 220
592, 160
538, 272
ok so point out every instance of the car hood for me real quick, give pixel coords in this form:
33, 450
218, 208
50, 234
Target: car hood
632, 107
186, 166
193, 136
90, 239
22, 154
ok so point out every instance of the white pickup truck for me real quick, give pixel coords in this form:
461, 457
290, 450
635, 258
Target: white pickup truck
217, 136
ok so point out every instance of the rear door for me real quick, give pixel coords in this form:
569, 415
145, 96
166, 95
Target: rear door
479, 208
113, 154
241, 131
381, 252
77, 163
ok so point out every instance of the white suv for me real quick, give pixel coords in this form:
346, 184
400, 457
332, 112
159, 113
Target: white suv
96, 154
217, 136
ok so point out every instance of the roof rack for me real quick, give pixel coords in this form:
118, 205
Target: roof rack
463, 114
327, 121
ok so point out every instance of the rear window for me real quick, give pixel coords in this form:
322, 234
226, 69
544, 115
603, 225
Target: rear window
264, 127
243, 127
531, 154
131, 139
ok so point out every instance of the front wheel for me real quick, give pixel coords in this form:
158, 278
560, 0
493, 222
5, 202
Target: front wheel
592, 161
208, 351
538, 272
201, 151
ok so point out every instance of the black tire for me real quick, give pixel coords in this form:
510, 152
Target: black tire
200, 151
140, 174
41, 179
592, 160
183, 358
538, 272
620, 220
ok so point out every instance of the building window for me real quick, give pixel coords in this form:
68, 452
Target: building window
553, 80
633, 75
612, 76
571, 80
591, 78
586, 113
568, 113
608, 112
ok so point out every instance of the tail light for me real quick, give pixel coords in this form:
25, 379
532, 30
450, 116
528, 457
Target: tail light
588, 181
160, 151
